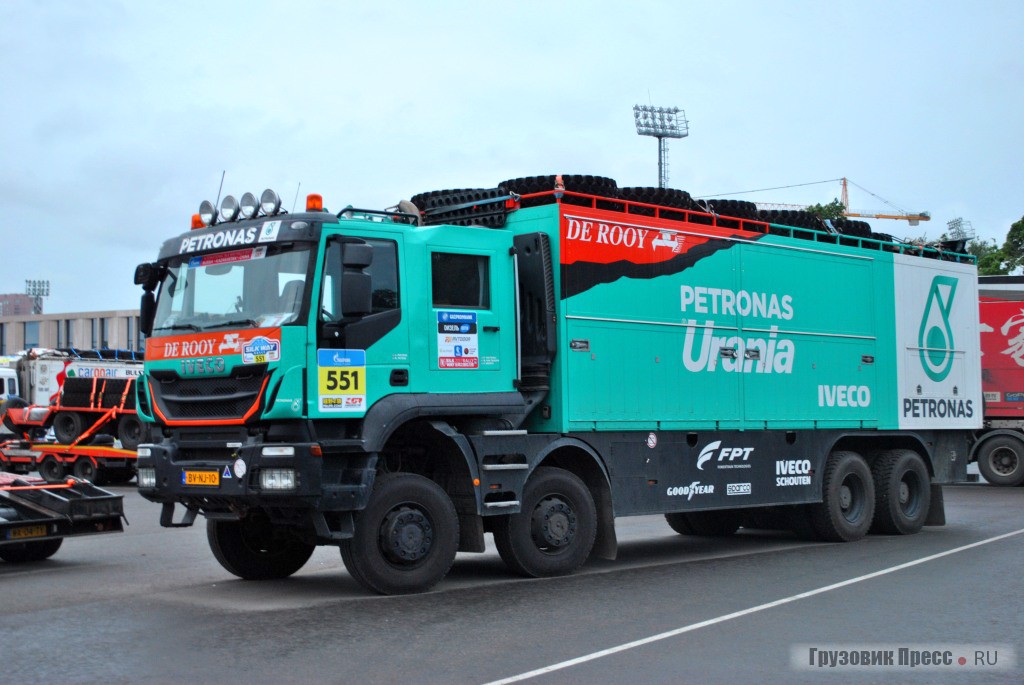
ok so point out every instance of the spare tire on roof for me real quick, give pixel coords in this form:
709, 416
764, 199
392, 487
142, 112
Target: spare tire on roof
664, 197
577, 183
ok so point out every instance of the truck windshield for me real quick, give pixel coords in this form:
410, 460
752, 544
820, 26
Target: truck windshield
250, 288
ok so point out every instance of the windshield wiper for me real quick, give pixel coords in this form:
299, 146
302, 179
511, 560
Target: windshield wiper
179, 327
236, 322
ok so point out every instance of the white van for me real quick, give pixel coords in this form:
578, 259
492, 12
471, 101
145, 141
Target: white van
8, 383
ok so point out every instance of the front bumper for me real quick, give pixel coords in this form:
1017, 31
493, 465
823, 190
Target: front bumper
225, 478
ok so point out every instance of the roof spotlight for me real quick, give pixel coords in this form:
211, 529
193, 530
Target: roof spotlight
229, 208
250, 207
270, 202
207, 213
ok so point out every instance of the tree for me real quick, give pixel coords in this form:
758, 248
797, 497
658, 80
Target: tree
992, 260
1013, 248
833, 210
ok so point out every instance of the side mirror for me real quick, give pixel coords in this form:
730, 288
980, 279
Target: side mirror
356, 255
147, 312
148, 276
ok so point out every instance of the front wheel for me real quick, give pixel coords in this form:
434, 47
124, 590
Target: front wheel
554, 533
406, 539
848, 499
25, 552
255, 549
1001, 461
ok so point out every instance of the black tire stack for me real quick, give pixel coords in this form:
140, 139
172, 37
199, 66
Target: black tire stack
491, 215
577, 183
664, 197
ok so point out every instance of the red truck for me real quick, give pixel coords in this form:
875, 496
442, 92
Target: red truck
999, 448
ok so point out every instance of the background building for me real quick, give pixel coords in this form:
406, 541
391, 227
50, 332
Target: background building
17, 304
117, 330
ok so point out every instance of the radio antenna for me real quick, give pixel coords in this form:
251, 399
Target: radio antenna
296, 200
217, 203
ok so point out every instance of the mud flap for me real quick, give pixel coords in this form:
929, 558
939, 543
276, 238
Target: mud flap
937, 510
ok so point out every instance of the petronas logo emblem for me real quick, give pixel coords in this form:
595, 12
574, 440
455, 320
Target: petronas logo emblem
935, 339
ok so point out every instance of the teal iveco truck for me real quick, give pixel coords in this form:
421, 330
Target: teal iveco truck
533, 361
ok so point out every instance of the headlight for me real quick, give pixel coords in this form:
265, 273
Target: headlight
277, 479
144, 451
147, 477
229, 209
250, 206
207, 212
270, 202
278, 451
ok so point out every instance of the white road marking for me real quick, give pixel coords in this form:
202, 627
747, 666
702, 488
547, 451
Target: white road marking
745, 612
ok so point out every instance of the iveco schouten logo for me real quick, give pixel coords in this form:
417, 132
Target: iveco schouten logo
935, 338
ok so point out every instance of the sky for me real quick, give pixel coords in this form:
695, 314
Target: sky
118, 117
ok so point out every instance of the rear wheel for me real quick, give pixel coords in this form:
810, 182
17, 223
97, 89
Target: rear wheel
24, 552
131, 431
85, 469
713, 524
255, 549
1001, 461
67, 426
554, 533
406, 539
902, 492
51, 470
848, 499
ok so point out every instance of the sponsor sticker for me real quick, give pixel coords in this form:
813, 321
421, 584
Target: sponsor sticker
737, 489
261, 350
341, 380
457, 340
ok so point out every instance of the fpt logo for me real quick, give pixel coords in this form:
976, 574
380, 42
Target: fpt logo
935, 338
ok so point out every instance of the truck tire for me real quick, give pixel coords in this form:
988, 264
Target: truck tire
51, 470
84, 469
579, 183
406, 539
13, 403
255, 549
848, 499
25, 552
902, 492
1001, 461
679, 523
67, 426
554, 533
714, 524
131, 432
707, 524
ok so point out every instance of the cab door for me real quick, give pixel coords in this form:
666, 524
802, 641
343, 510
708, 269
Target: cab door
360, 352
471, 325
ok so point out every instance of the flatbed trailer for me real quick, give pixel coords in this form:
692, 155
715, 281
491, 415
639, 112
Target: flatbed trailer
36, 516
97, 464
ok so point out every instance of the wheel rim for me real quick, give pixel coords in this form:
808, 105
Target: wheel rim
51, 469
851, 498
910, 494
406, 535
1005, 461
553, 524
85, 470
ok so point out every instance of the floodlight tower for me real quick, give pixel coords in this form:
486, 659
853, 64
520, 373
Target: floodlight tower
661, 123
37, 289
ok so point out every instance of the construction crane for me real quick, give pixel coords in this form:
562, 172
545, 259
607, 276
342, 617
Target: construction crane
913, 218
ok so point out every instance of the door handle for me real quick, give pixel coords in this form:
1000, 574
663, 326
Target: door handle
491, 329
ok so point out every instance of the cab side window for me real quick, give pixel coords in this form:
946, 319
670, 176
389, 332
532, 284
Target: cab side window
460, 280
